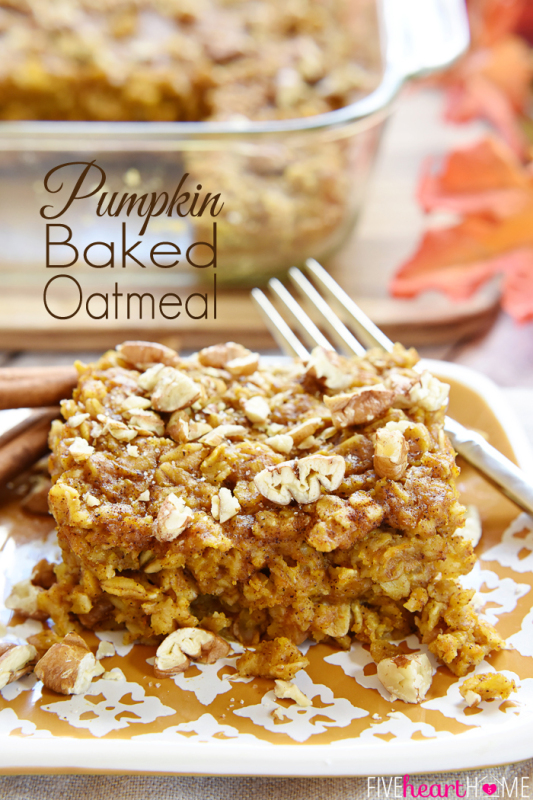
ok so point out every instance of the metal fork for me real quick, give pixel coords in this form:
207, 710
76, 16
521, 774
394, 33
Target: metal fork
469, 444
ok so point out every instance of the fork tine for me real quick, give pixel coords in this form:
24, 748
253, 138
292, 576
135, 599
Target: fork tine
336, 328
303, 321
366, 330
279, 328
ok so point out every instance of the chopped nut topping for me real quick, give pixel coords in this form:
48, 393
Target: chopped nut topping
401, 385
472, 530
326, 365
91, 500
360, 406
175, 652
174, 516
145, 421
132, 450
224, 505
301, 479
148, 379
217, 435
173, 390
15, 661
243, 366
144, 497
286, 690
281, 443
390, 456
406, 677
24, 599
144, 354
178, 426
105, 650
305, 429
430, 393
219, 354
118, 430
135, 401
80, 449
257, 409
76, 420
197, 430
68, 667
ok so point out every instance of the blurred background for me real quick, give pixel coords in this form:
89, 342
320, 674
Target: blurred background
425, 216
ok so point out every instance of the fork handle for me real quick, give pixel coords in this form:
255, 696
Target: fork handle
482, 455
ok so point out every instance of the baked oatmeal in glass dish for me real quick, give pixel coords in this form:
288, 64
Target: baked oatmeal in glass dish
170, 64
262, 503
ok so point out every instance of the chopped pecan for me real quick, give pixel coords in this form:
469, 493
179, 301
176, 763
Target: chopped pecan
301, 479
76, 420
430, 393
359, 406
173, 517
69, 666
306, 428
257, 409
286, 690
174, 654
15, 661
24, 599
326, 366
80, 449
281, 442
217, 435
144, 354
118, 430
135, 401
219, 354
390, 455
182, 428
148, 379
224, 505
173, 390
406, 677
146, 422
246, 365
105, 650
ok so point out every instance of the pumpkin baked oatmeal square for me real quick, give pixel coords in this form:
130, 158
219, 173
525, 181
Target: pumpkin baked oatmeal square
261, 503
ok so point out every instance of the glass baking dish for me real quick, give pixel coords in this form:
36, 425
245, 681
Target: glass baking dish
291, 189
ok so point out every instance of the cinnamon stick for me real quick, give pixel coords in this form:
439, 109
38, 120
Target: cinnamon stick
33, 387
23, 450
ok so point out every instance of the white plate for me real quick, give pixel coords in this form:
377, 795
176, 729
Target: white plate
503, 738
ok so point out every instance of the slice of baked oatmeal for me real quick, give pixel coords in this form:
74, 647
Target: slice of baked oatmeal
261, 501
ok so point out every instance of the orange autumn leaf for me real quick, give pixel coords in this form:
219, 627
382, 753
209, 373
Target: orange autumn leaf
496, 236
491, 20
493, 84
484, 178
